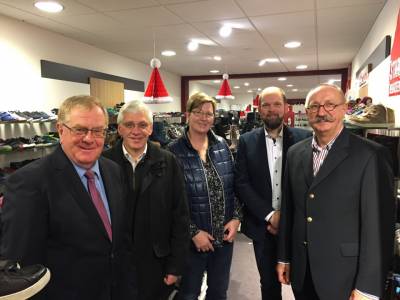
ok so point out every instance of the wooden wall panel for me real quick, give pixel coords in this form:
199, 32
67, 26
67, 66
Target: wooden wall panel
109, 92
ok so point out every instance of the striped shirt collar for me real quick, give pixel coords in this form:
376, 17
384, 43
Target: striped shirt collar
318, 148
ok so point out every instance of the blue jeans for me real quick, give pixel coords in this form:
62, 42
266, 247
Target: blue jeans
217, 264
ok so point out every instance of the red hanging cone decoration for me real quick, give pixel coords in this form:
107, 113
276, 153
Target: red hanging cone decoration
225, 90
156, 91
256, 101
248, 108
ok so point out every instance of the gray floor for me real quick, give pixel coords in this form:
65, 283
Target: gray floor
245, 281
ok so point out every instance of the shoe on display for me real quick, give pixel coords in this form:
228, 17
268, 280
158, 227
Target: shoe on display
18, 283
373, 116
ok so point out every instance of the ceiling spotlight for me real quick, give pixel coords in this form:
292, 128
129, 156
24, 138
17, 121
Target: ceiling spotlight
295, 90
282, 78
267, 60
217, 81
49, 6
293, 44
301, 67
214, 71
289, 85
216, 57
236, 87
168, 53
246, 84
193, 45
225, 30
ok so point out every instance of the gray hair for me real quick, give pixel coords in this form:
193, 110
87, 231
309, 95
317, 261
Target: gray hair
325, 85
135, 106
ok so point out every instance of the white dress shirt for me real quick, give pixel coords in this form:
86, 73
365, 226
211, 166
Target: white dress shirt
274, 154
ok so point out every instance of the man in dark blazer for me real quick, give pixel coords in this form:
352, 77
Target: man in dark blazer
50, 213
156, 192
337, 216
260, 162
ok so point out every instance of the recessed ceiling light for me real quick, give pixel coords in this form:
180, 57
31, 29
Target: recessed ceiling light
214, 71
49, 6
301, 67
295, 90
267, 60
217, 81
216, 57
292, 44
282, 78
249, 91
236, 87
225, 30
259, 89
168, 53
246, 84
289, 85
193, 45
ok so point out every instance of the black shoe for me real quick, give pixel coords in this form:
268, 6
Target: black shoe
21, 283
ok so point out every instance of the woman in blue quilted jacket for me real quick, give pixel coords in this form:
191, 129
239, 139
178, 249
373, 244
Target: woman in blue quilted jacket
207, 165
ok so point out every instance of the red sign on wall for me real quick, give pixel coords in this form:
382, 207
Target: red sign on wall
394, 76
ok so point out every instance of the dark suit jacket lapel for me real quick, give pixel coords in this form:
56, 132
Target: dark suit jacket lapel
78, 191
262, 155
306, 157
151, 166
288, 141
335, 156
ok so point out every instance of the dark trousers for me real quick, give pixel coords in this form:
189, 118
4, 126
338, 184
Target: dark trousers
307, 292
217, 264
265, 253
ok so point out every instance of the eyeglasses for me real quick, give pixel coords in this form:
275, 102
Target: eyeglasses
82, 131
132, 125
327, 106
208, 115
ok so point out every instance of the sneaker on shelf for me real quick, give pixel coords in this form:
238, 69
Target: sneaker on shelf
7, 117
21, 283
16, 116
25, 116
373, 116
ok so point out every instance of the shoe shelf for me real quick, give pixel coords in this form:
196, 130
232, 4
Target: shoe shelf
28, 121
27, 148
22, 140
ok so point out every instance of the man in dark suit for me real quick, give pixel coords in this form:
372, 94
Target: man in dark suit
337, 215
68, 211
156, 191
261, 157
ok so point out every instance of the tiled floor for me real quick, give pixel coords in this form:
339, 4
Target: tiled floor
245, 282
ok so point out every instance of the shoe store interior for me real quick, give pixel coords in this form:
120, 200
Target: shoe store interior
161, 52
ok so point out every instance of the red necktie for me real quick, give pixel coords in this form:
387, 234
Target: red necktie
98, 203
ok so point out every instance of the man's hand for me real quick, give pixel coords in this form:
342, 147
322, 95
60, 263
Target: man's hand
230, 230
170, 279
202, 241
356, 295
273, 224
283, 271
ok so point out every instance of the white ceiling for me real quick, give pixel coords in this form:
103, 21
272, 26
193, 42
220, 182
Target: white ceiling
331, 31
